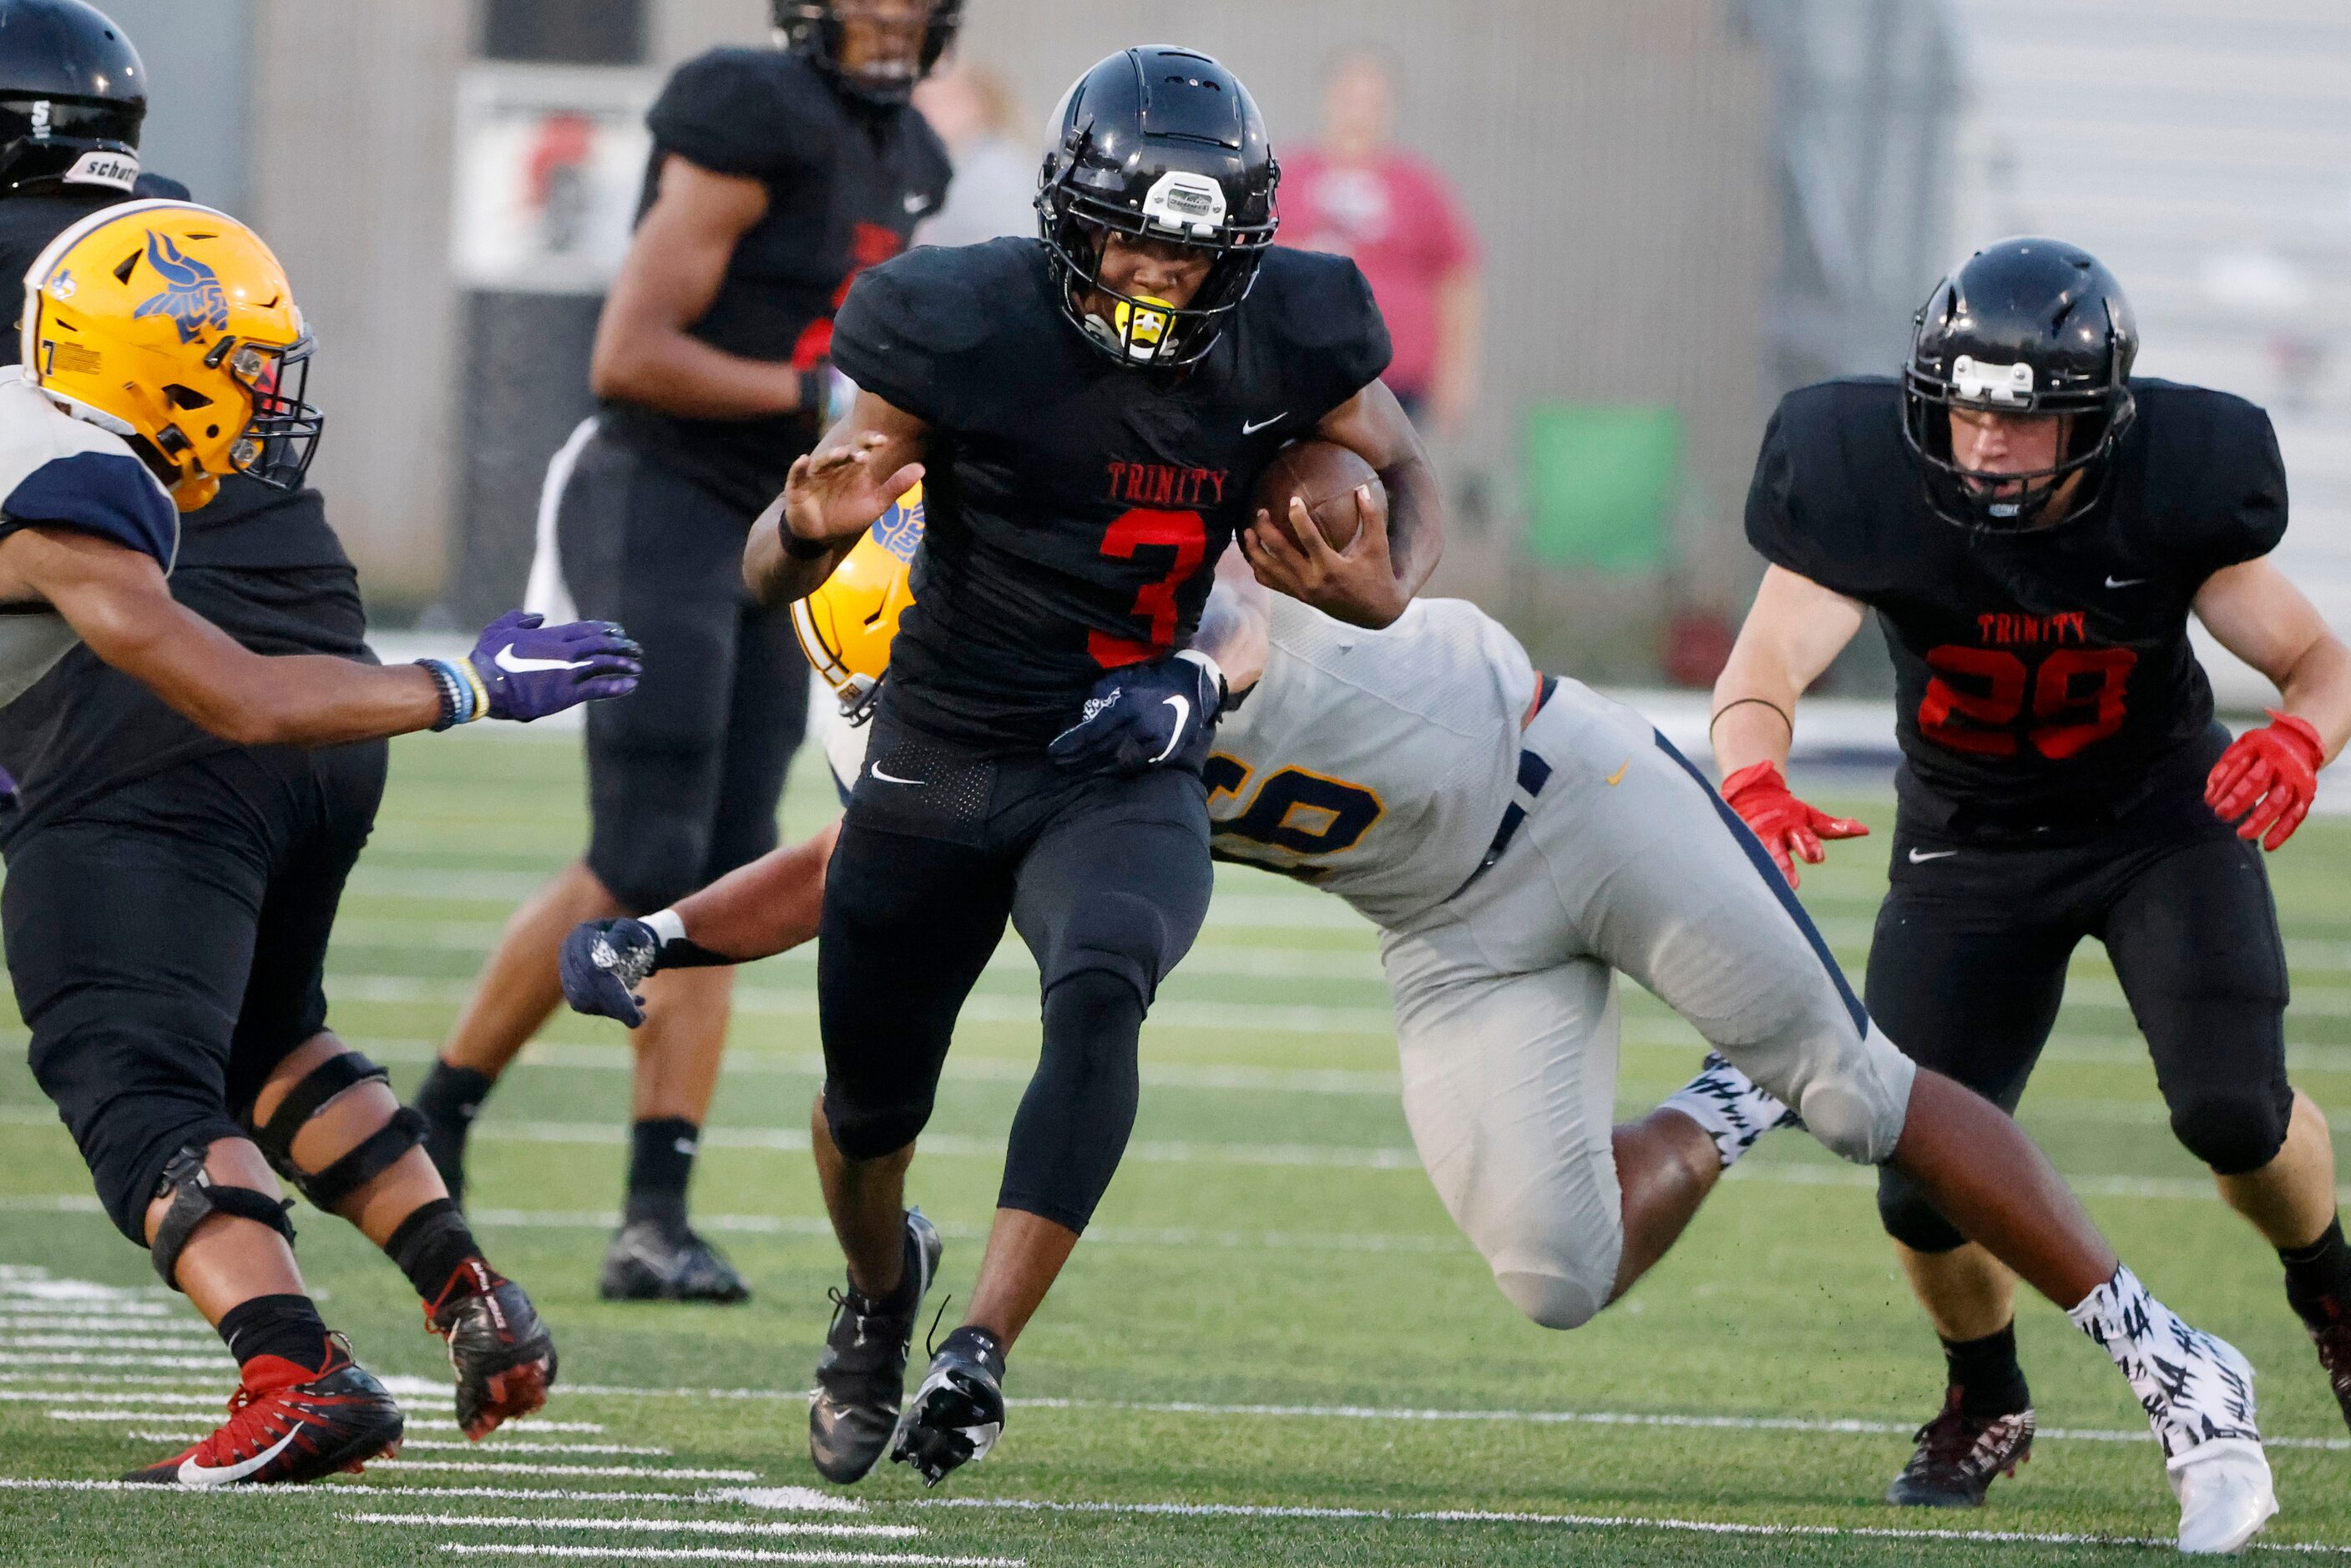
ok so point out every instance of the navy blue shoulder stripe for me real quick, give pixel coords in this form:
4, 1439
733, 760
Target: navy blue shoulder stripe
107, 493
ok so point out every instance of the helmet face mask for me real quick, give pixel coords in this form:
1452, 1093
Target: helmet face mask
923, 30
73, 96
1165, 145
2027, 326
174, 327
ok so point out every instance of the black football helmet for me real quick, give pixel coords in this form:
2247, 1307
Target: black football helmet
72, 95
2027, 326
814, 28
1161, 143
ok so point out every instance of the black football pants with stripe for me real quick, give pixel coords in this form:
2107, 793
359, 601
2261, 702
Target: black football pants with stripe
1105, 878
1968, 968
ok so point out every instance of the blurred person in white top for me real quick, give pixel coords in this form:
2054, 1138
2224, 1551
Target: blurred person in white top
995, 190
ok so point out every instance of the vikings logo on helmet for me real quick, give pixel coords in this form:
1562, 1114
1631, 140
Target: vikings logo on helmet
901, 529
191, 297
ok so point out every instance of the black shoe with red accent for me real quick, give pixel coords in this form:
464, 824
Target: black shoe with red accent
289, 1423
1958, 1455
2330, 1330
504, 1356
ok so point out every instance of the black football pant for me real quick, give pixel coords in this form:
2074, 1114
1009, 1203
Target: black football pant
1969, 965
167, 943
1106, 879
685, 773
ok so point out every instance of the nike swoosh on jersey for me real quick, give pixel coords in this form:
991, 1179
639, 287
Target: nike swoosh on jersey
192, 1474
2125, 582
1182, 706
1618, 777
893, 779
1247, 429
1921, 857
506, 660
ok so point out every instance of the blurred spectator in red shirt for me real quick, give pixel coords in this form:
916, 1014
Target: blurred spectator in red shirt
1357, 195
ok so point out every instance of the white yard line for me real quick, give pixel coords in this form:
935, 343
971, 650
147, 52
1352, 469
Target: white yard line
1590, 1522
100, 1341
80, 1358
522, 1468
683, 1526
726, 1554
414, 1422
432, 1445
338, 1488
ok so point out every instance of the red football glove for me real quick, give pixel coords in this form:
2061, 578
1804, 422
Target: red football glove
1791, 830
2267, 777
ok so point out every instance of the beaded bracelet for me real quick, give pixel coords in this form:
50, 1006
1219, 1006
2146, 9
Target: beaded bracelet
458, 703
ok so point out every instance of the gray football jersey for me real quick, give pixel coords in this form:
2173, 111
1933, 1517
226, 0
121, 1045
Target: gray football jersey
1375, 765
56, 468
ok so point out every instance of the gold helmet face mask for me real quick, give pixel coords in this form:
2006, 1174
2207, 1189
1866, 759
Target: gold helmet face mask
174, 327
846, 626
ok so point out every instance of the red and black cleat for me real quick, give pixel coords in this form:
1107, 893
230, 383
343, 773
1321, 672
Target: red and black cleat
289, 1423
1958, 1455
504, 1356
2330, 1330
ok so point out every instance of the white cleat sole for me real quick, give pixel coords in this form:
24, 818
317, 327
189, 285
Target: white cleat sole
2225, 1495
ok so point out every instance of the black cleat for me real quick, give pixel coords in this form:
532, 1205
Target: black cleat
957, 1414
2330, 1330
1958, 1455
504, 1356
652, 1261
861, 1376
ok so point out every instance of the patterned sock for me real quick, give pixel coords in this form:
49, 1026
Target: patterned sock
661, 1163
2318, 1277
287, 1326
2193, 1387
1986, 1373
1728, 1105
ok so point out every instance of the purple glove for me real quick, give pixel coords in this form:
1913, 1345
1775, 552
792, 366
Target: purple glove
529, 671
603, 962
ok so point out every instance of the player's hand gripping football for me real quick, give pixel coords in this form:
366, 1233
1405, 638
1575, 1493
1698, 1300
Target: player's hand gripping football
1161, 714
2268, 777
603, 962
1791, 830
529, 670
831, 496
1357, 584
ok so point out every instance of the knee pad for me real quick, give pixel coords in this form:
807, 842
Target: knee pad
364, 1161
1553, 1300
195, 1198
2234, 1131
1856, 1106
870, 1131
1110, 933
1910, 1219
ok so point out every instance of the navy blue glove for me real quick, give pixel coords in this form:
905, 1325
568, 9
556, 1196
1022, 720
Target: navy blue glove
1161, 714
602, 963
529, 670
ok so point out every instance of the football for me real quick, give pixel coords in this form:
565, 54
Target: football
1324, 475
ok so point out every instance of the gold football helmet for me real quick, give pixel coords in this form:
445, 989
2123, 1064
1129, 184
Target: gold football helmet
174, 327
846, 626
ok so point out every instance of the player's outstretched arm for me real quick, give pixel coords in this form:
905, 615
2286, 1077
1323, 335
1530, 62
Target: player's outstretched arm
1237, 626
832, 496
120, 603
645, 352
1792, 632
2268, 777
1374, 427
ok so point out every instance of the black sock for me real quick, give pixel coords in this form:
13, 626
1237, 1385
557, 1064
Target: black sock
449, 1099
1986, 1373
287, 1326
661, 1163
2318, 1277
431, 1245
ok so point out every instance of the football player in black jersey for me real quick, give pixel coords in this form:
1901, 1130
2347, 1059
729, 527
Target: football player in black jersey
1089, 413
776, 176
2034, 527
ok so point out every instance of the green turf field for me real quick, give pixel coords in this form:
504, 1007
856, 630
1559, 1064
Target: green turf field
1274, 1348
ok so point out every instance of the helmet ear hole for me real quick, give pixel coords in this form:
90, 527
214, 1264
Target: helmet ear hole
185, 397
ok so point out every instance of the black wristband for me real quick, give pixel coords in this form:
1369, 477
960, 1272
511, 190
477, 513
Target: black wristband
799, 548
687, 954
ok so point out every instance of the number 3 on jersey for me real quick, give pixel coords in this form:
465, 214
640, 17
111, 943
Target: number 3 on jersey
2077, 700
1154, 602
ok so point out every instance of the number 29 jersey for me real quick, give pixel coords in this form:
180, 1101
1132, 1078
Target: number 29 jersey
1076, 507
2042, 678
